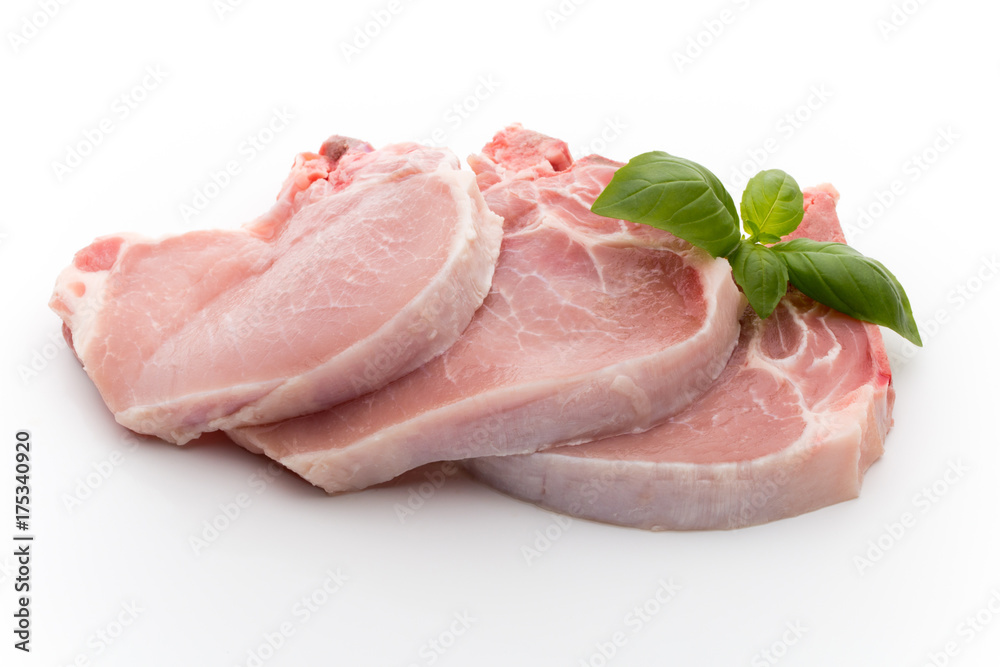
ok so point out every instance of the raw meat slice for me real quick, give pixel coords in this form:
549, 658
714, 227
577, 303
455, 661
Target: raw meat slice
592, 327
800, 412
369, 264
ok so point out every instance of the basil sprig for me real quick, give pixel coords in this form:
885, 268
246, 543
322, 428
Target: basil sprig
762, 275
674, 194
842, 278
771, 206
688, 200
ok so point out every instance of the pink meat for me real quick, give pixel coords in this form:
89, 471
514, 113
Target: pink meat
592, 327
369, 264
800, 412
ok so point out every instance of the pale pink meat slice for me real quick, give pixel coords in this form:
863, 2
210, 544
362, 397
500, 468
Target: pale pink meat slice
592, 327
792, 424
370, 263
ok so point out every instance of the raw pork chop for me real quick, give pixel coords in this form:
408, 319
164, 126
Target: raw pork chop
592, 327
790, 426
369, 264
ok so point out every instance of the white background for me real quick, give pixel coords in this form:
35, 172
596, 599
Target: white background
827, 91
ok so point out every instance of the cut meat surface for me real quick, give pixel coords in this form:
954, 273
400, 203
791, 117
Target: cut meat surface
800, 412
592, 327
371, 263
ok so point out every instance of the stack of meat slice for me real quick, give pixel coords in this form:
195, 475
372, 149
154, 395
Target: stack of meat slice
339, 335
369, 264
790, 426
593, 327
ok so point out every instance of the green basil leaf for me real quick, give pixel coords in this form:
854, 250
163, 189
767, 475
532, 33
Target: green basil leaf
842, 278
771, 204
762, 275
764, 237
674, 194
